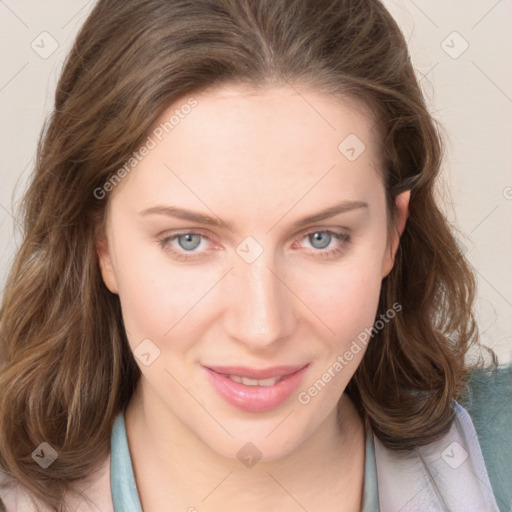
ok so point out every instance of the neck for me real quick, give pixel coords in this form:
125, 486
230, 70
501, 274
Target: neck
172, 465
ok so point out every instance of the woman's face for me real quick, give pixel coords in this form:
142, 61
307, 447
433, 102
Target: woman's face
250, 237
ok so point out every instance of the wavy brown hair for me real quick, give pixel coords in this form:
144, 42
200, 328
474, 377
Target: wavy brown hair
66, 367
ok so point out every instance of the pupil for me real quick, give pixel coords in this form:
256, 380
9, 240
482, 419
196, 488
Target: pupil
317, 237
188, 241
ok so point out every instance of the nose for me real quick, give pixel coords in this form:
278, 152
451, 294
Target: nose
260, 306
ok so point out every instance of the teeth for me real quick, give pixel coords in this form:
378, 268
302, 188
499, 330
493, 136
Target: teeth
254, 382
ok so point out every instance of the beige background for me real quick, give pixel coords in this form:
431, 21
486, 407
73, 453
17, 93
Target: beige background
461, 50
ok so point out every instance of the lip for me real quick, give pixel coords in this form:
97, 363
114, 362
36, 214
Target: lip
253, 373
256, 398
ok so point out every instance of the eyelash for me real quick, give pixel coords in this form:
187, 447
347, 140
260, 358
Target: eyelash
343, 238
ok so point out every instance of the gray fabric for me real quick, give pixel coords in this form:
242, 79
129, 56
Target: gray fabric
488, 400
447, 475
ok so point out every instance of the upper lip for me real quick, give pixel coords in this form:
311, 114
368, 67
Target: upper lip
255, 373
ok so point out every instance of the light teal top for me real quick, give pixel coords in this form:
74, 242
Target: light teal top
122, 480
124, 490
487, 398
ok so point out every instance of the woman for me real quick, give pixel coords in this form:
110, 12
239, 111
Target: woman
236, 290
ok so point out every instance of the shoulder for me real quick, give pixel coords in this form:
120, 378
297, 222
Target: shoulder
93, 494
488, 400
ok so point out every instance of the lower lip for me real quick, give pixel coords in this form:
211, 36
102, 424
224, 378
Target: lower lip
256, 398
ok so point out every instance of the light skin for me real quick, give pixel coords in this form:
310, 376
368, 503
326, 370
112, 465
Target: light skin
259, 161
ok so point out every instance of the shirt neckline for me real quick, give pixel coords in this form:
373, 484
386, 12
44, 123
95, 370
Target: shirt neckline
125, 497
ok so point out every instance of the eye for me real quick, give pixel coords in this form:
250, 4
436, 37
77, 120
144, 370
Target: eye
322, 238
183, 246
335, 242
189, 241
186, 244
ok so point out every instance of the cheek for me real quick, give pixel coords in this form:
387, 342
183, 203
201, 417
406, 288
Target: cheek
156, 295
345, 297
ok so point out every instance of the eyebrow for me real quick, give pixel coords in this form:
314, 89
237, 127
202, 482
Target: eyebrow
201, 218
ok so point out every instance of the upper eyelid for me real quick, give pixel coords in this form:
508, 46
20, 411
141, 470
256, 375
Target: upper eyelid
299, 236
204, 232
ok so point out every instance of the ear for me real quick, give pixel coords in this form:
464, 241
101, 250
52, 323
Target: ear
402, 204
106, 266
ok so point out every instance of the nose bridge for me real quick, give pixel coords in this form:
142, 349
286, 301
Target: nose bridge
261, 306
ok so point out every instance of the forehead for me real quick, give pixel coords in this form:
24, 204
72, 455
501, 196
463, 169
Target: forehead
271, 118
267, 146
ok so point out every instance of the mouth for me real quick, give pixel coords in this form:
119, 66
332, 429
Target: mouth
256, 390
